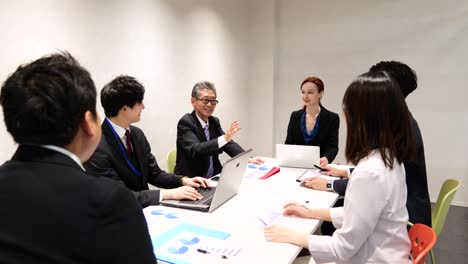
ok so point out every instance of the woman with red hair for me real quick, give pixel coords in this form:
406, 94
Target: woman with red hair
314, 125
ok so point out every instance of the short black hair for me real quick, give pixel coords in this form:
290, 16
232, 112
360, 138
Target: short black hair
401, 73
377, 118
44, 101
122, 91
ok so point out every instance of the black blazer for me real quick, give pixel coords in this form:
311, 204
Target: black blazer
326, 138
418, 202
193, 149
52, 212
108, 161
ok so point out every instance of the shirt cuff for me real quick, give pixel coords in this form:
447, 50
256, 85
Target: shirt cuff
221, 141
336, 215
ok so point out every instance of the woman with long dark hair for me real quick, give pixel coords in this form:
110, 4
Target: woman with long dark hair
371, 227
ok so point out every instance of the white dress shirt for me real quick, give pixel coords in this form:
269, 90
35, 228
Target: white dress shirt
65, 152
372, 223
120, 132
221, 140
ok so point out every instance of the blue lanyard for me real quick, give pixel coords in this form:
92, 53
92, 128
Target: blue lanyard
122, 149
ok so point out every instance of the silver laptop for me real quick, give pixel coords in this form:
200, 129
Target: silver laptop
297, 156
228, 186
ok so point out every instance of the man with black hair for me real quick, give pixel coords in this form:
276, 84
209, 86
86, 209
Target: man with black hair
418, 202
51, 211
124, 153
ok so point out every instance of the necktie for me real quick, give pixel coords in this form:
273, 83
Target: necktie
128, 140
210, 168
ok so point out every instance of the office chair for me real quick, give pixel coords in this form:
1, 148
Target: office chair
444, 200
423, 239
171, 160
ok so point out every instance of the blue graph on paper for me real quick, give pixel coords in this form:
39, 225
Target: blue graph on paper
178, 251
256, 171
179, 244
191, 241
267, 217
167, 215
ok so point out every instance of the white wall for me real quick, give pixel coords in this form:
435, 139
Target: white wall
167, 45
338, 40
257, 53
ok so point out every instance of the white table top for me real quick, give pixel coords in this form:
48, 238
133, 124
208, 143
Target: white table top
239, 217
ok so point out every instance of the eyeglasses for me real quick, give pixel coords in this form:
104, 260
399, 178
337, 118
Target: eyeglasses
206, 101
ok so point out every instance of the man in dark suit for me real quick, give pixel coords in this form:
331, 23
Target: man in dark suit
418, 202
200, 138
51, 211
124, 153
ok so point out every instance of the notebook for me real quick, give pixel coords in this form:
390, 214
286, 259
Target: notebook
228, 186
297, 156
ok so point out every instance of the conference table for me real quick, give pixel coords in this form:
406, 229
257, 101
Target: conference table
234, 232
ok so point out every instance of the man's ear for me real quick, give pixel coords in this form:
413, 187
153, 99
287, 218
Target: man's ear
90, 124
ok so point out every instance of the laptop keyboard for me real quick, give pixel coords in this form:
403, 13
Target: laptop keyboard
207, 194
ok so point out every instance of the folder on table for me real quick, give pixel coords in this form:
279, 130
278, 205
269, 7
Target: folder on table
270, 173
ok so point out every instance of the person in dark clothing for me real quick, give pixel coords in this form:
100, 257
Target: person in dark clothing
51, 211
418, 201
314, 125
124, 153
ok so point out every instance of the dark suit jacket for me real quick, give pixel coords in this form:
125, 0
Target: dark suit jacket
418, 202
52, 212
108, 161
326, 138
193, 149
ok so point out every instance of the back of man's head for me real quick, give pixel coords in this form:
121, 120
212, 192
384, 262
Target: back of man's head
44, 101
122, 91
401, 73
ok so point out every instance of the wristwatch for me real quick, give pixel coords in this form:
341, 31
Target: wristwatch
329, 186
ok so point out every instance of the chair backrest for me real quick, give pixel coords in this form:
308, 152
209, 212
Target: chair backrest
444, 200
171, 160
423, 239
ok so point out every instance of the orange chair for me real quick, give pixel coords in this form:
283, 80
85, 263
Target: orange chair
423, 239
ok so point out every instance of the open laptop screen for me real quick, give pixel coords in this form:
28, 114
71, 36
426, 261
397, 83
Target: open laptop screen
297, 156
228, 185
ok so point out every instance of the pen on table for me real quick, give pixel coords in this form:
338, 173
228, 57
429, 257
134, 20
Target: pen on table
320, 168
298, 179
204, 251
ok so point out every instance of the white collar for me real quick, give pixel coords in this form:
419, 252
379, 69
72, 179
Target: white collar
118, 129
202, 123
65, 152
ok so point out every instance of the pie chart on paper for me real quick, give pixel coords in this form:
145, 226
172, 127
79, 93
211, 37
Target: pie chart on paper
191, 241
177, 251
171, 215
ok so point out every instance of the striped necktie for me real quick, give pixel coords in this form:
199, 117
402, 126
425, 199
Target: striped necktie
210, 168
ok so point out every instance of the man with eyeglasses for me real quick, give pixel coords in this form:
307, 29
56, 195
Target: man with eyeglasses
124, 153
200, 138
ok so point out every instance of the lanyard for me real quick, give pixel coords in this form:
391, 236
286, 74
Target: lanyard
122, 149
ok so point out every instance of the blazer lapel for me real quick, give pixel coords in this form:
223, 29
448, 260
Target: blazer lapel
200, 130
140, 155
212, 127
113, 144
